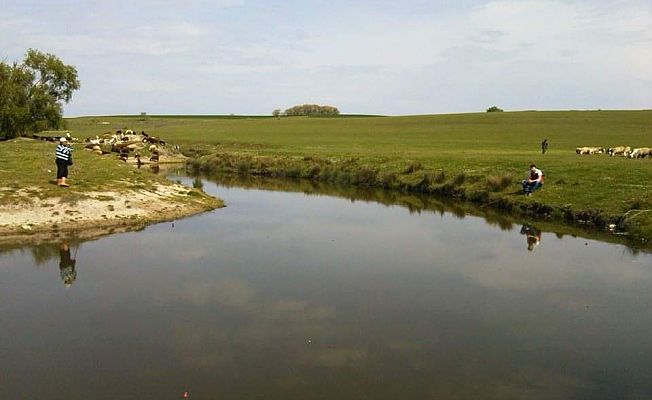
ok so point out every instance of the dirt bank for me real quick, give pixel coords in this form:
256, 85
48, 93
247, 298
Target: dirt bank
97, 213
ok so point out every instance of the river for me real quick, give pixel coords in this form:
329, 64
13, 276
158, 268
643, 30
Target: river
304, 295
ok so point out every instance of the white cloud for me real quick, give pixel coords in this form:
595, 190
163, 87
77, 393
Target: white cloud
521, 54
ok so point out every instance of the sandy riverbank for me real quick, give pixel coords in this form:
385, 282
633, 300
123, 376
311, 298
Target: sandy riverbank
34, 220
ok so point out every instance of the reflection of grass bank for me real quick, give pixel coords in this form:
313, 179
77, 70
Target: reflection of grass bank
466, 156
417, 203
496, 192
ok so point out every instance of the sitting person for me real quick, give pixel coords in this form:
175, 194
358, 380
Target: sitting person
534, 182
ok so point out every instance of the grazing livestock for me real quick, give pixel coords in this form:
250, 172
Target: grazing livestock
646, 152
589, 150
119, 145
154, 140
641, 152
124, 153
618, 151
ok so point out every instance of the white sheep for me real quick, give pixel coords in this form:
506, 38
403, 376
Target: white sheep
589, 150
621, 150
641, 152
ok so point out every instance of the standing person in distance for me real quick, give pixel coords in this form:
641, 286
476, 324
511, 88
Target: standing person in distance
544, 146
63, 158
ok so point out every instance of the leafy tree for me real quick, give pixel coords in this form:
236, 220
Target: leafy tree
494, 109
312, 110
276, 113
32, 93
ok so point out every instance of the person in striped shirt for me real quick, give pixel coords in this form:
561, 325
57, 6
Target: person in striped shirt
64, 155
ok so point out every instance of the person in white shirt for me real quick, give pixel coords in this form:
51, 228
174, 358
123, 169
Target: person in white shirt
534, 182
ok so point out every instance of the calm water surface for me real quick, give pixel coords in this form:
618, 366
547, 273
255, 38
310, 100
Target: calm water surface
293, 296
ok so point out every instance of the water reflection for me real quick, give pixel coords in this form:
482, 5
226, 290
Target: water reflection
294, 296
532, 236
413, 202
66, 265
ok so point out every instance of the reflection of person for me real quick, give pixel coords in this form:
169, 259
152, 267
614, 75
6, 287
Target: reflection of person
544, 146
534, 181
66, 265
64, 158
532, 236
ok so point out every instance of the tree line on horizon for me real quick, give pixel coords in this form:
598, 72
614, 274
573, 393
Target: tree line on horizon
307, 110
32, 93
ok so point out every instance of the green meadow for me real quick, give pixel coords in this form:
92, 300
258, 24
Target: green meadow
480, 156
28, 170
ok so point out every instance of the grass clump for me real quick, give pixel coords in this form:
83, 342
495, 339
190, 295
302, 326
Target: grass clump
499, 183
243, 167
439, 177
388, 180
365, 176
413, 166
637, 204
313, 171
459, 179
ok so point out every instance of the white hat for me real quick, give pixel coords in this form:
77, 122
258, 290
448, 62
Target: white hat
63, 140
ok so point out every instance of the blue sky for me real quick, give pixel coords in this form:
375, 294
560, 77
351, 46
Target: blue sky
382, 56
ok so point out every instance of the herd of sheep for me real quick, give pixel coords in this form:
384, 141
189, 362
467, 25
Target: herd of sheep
125, 142
624, 151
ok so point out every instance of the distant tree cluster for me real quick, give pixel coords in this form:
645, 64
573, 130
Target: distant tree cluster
494, 109
32, 93
310, 110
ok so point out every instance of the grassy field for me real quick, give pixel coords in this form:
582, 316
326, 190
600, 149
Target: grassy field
29, 165
28, 171
463, 151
